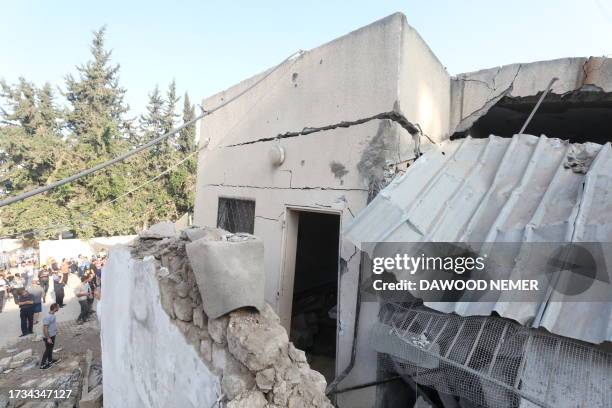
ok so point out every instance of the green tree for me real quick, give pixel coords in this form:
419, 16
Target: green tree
182, 180
170, 115
41, 143
97, 101
31, 108
186, 138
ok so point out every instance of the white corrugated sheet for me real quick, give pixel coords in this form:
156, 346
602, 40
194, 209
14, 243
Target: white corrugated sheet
504, 190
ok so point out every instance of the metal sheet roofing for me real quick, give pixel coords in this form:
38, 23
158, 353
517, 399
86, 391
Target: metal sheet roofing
523, 189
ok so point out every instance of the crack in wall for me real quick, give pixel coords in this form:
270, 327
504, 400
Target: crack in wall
467, 121
392, 115
283, 188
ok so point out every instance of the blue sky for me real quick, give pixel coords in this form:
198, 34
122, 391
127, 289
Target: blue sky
209, 45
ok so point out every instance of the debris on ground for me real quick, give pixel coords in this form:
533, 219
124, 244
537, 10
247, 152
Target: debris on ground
19, 370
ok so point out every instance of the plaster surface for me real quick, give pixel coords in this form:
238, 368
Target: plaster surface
147, 362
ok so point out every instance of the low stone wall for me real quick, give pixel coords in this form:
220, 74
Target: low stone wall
246, 355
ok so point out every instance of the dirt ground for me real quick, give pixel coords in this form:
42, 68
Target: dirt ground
72, 344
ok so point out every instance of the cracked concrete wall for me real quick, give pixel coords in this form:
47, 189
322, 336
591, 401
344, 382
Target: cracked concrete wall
306, 180
473, 93
326, 109
349, 78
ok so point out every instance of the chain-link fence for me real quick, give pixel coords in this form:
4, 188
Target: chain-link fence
490, 361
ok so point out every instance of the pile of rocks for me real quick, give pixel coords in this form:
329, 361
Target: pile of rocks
248, 349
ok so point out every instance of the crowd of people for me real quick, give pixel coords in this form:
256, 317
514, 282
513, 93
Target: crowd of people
29, 286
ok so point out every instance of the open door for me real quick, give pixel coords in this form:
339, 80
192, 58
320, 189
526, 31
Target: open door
310, 289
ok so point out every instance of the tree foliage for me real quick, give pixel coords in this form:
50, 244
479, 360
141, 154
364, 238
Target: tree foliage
41, 142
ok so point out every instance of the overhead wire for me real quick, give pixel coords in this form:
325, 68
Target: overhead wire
91, 170
83, 215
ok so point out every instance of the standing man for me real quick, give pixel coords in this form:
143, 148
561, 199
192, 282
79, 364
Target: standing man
29, 273
43, 278
26, 311
37, 293
4, 261
58, 288
3, 291
49, 333
64, 269
83, 293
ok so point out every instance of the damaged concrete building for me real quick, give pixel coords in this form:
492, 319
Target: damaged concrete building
304, 159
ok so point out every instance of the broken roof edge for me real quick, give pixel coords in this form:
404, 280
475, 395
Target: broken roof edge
580, 69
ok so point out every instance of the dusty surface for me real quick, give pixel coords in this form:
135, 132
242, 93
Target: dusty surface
73, 342
9, 318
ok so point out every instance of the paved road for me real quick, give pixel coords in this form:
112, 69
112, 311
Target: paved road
10, 324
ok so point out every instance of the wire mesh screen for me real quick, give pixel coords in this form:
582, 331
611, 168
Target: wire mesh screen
490, 361
235, 215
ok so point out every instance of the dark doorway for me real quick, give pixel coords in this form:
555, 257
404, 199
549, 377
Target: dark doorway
315, 290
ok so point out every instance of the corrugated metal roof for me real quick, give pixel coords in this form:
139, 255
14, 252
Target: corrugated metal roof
504, 190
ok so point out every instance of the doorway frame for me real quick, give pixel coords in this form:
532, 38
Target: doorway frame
288, 256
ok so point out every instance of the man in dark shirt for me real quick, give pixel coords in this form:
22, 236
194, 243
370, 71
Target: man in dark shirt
58, 288
26, 311
3, 291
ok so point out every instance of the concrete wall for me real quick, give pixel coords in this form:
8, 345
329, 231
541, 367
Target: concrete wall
147, 362
357, 97
423, 86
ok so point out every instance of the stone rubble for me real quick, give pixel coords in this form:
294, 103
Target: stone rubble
249, 351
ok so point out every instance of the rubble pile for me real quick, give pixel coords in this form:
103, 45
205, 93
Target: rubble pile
248, 349
68, 379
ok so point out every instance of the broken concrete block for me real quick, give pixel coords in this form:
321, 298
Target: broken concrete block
292, 375
229, 274
280, 393
164, 229
206, 349
217, 328
167, 293
16, 363
183, 309
254, 341
265, 379
194, 294
193, 335
93, 399
236, 379
299, 356
195, 233
248, 399
221, 357
23, 355
5, 361
199, 318
182, 289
